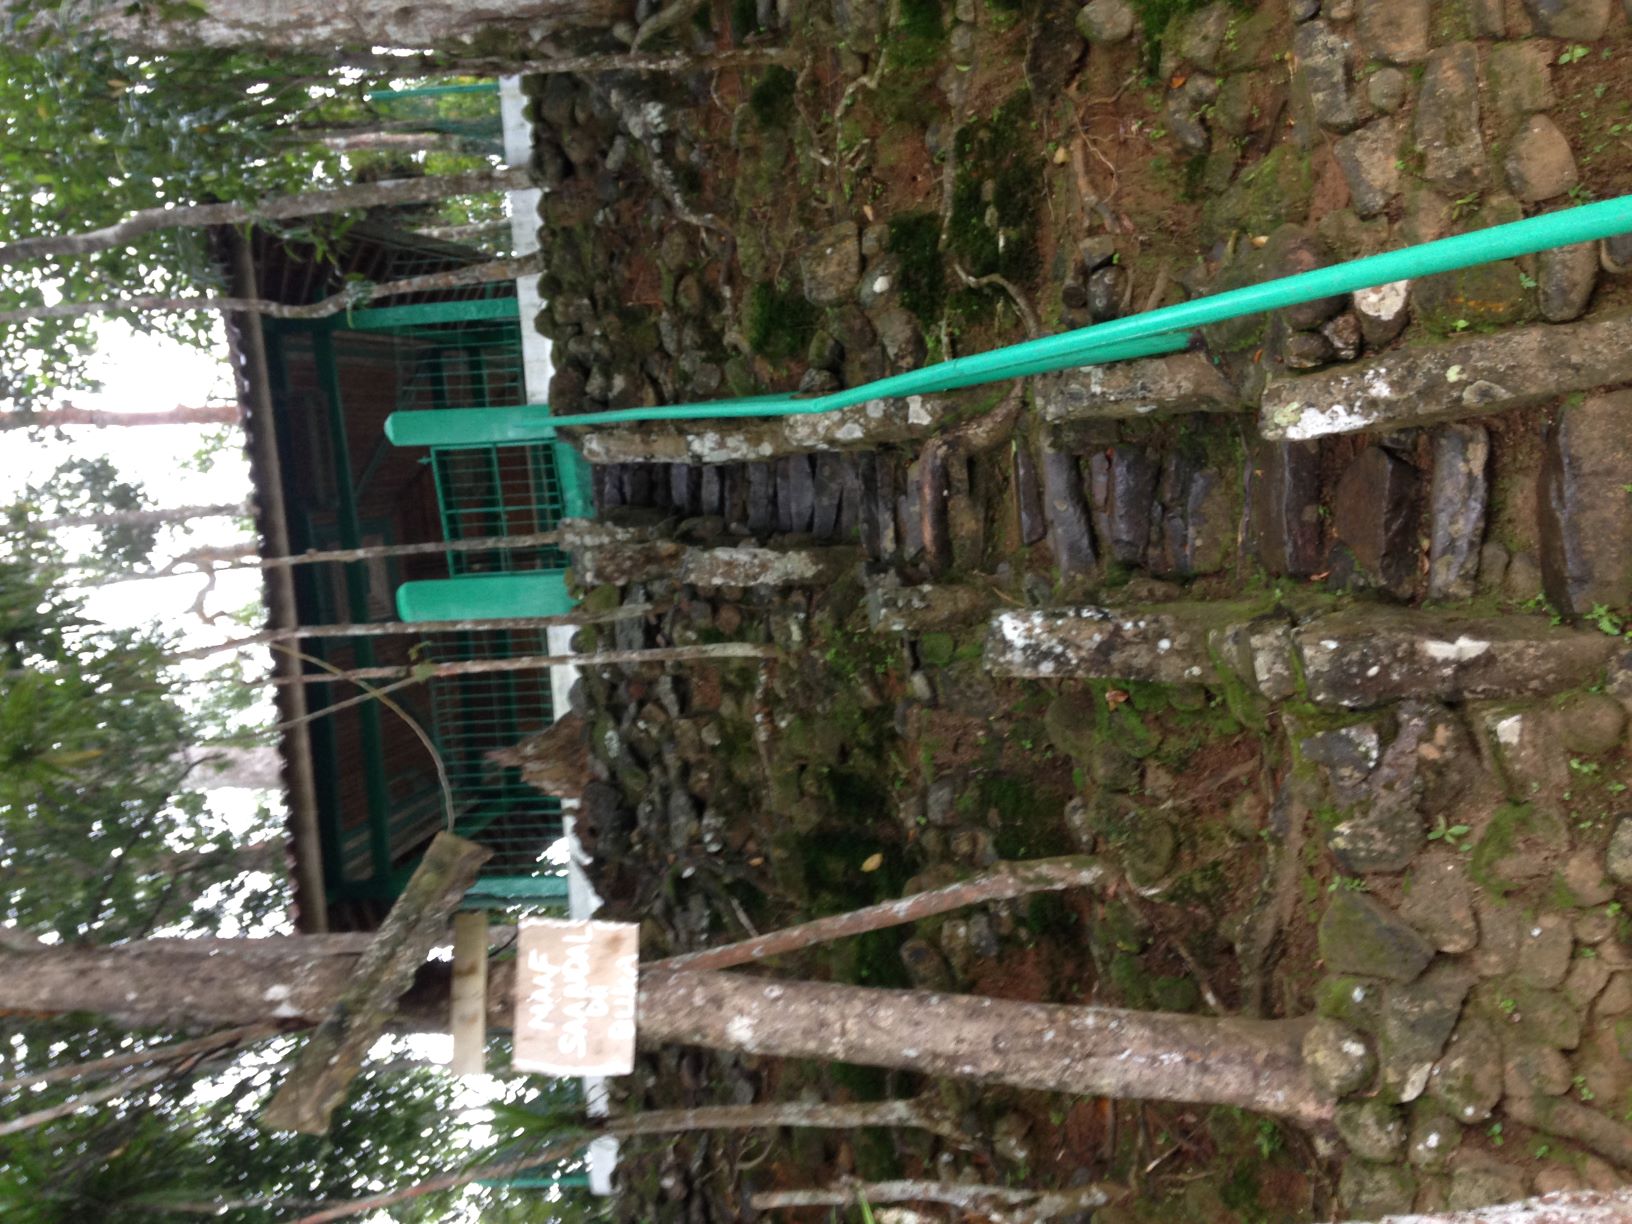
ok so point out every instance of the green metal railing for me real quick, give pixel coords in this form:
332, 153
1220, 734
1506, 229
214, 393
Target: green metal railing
1150, 333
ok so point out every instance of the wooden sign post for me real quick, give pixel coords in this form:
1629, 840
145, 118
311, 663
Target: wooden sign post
468, 1023
575, 997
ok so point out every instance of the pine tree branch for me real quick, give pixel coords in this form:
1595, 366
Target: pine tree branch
135, 1058
354, 295
1029, 1205
120, 1087
70, 414
909, 1113
1003, 882
390, 192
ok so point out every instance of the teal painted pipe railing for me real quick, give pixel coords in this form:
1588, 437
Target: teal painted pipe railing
1153, 332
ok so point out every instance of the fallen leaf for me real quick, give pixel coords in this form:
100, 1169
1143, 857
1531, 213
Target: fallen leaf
873, 862
1115, 697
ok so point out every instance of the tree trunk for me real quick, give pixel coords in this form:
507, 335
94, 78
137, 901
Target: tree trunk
68, 414
1251, 1064
333, 1055
445, 26
389, 193
1255, 1065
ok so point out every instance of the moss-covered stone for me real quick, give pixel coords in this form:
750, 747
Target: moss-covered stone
1274, 190
1360, 935
1517, 837
1484, 296
1356, 1001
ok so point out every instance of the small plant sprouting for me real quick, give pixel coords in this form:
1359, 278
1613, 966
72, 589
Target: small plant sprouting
1495, 1133
1268, 1139
1507, 1006
1451, 835
1572, 54
1606, 621
1579, 1083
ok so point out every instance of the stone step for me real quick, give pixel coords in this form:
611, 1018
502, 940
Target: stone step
1469, 377
1155, 386
876, 423
729, 565
1350, 659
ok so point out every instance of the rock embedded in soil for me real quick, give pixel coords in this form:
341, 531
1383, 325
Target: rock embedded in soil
1467, 1080
1435, 1138
1373, 1130
1530, 1071
1348, 755
1592, 724
1387, 89
1457, 510
1586, 516
1618, 858
1106, 21
1395, 30
1028, 497
1483, 1185
1447, 120
1369, 158
831, 266
1383, 311
1545, 946
1323, 60
1386, 830
1566, 277
1338, 1059
1417, 1020
1582, 20
1521, 77
1615, 253
1439, 903
1371, 1191
1359, 934
1539, 163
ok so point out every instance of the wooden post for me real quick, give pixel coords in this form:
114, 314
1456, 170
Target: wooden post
334, 1054
468, 1014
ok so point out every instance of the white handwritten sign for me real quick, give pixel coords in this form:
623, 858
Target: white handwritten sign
575, 997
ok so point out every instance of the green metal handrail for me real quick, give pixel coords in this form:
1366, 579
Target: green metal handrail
1142, 335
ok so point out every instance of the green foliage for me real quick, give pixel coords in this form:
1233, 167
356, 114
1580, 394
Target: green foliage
772, 98
779, 322
994, 201
915, 239
90, 134
919, 34
194, 1141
